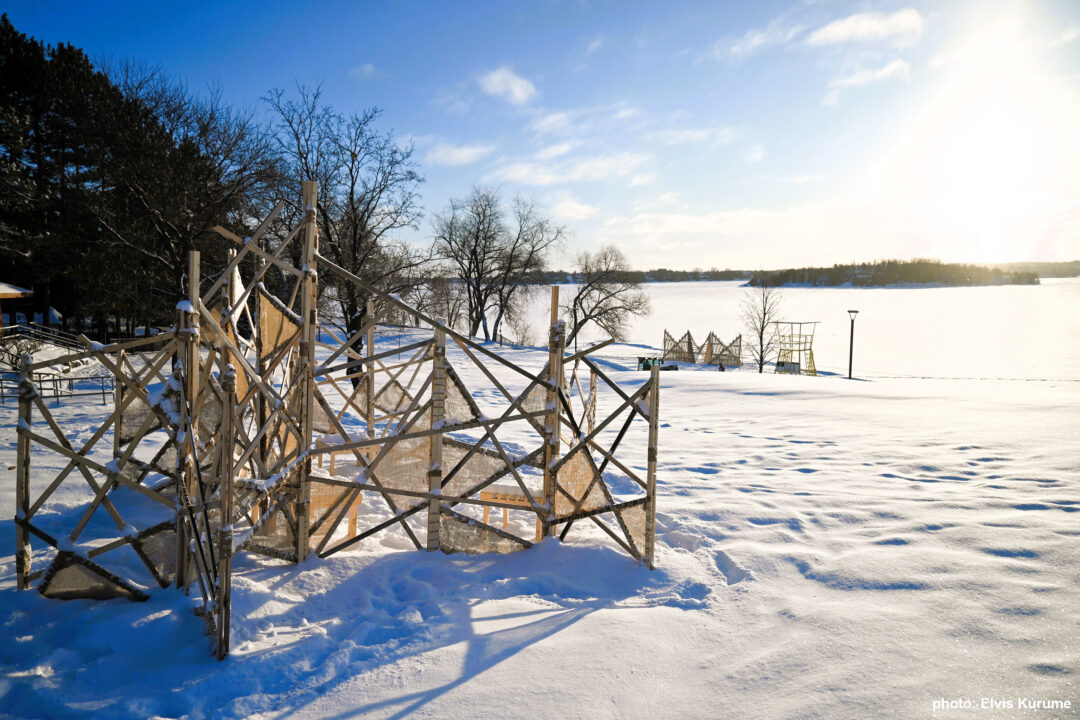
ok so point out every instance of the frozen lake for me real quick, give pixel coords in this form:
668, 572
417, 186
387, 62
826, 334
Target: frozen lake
1029, 332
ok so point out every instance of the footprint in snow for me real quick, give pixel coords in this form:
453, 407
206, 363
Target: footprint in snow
1002, 552
733, 574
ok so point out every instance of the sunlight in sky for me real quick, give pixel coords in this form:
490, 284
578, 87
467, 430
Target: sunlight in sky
993, 156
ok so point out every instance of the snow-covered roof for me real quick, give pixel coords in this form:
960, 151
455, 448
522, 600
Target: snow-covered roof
8, 291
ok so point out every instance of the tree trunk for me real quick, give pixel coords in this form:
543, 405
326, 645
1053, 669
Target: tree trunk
356, 316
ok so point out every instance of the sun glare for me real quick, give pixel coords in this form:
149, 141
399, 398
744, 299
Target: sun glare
990, 165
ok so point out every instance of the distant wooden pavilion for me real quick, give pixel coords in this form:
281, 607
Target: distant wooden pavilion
11, 292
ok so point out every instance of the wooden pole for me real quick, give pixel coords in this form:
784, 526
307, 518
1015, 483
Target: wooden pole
118, 400
438, 413
369, 376
225, 549
22, 475
591, 412
309, 314
556, 346
188, 350
260, 369
654, 433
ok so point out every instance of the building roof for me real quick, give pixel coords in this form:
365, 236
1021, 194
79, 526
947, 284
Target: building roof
8, 291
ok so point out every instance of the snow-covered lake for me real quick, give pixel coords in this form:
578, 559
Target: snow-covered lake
1021, 331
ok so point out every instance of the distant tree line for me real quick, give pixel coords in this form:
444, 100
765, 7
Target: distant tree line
892, 272
560, 277
1043, 269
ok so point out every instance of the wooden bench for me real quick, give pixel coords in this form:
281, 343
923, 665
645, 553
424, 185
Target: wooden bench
324, 497
509, 493
321, 443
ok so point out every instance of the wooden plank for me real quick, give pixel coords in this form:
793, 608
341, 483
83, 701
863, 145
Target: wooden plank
96, 348
654, 438
591, 349
256, 250
438, 412
346, 345
324, 370
556, 344
310, 316
224, 539
22, 480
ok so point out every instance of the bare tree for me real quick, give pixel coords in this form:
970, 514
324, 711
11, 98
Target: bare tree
522, 259
467, 235
607, 296
367, 191
440, 296
496, 260
760, 309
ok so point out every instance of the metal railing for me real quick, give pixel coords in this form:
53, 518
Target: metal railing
57, 388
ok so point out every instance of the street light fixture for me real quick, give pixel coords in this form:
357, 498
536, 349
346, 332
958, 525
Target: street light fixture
851, 342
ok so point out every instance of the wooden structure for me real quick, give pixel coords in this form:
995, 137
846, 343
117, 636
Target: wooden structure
711, 352
218, 440
12, 292
796, 352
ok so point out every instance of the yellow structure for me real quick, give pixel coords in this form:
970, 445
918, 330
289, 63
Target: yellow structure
796, 352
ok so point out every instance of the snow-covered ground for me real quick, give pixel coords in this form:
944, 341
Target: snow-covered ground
825, 549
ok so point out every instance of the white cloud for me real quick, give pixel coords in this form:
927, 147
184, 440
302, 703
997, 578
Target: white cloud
775, 33
594, 46
669, 198
1067, 36
626, 112
755, 154
363, 72
865, 76
455, 155
566, 207
712, 137
554, 151
551, 122
581, 121
508, 85
590, 169
902, 27
897, 68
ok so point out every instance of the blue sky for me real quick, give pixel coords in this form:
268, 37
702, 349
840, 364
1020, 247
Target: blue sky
723, 134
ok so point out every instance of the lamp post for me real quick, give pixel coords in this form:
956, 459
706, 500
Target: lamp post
851, 342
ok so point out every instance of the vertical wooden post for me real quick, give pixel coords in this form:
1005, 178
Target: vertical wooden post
309, 313
187, 452
438, 412
556, 346
225, 549
654, 432
369, 371
22, 475
591, 414
118, 399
